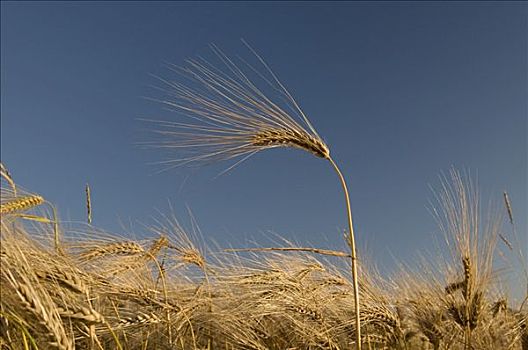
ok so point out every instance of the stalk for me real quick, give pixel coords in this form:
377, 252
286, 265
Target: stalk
353, 256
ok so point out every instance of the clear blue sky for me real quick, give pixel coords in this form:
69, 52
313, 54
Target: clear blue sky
400, 92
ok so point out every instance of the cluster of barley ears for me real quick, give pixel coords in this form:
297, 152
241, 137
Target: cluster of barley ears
102, 291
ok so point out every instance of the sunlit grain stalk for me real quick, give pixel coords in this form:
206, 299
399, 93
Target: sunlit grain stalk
231, 117
159, 244
468, 296
56, 232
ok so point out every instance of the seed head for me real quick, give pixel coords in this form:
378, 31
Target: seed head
230, 115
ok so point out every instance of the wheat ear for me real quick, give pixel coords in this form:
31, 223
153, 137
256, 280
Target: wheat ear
21, 204
88, 204
291, 138
82, 314
120, 248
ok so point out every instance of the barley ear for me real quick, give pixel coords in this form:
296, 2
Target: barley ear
21, 204
88, 204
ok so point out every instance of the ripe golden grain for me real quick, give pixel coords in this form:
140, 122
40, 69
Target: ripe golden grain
21, 204
88, 204
82, 314
291, 138
119, 248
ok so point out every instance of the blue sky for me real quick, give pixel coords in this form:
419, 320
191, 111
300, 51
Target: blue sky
400, 91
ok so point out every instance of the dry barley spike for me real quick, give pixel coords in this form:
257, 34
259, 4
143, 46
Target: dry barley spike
432, 332
88, 204
468, 278
453, 287
82, 314
119, 248
139, 320
508, 205
21, 204
156, 246
285, 138
499, 306
68, 279
475, 310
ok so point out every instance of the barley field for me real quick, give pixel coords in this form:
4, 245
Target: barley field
83, 288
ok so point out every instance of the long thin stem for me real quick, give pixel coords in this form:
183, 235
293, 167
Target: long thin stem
353, 256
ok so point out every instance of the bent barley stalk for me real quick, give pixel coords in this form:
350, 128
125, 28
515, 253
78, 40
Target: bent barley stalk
231, 117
